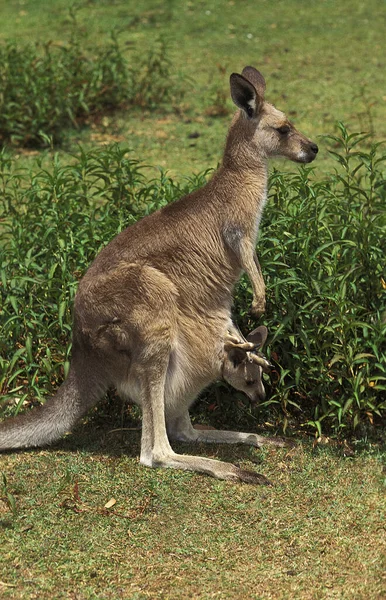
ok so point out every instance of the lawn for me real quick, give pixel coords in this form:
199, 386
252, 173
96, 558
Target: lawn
319, 531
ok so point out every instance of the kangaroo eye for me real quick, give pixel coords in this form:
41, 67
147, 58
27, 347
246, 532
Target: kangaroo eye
249, 382
284, 129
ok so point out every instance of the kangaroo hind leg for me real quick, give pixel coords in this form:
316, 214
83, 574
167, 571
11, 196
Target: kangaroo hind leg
163, 456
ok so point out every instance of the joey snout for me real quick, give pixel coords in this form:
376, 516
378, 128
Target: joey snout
256, 396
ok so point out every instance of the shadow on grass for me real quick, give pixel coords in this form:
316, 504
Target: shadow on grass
116, 440
113, 428
106, 433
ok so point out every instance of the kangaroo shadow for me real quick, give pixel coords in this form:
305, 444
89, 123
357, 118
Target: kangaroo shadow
113, 438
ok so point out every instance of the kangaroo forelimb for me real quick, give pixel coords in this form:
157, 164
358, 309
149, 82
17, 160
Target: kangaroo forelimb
245, 253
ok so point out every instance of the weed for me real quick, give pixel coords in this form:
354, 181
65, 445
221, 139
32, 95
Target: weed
155, 83
219, 96
322, 250
47, 88
55, 221
7, 496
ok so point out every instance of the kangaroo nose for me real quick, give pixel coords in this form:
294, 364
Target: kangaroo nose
314, 148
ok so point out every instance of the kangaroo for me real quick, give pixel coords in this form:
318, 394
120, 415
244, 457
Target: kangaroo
153, 310
242, 366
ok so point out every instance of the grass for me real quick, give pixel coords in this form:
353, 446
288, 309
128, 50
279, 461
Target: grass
49, 88
317, 534
322, 62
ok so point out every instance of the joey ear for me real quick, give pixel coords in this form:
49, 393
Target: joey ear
258, 336
244, 95
256, 79
237, 356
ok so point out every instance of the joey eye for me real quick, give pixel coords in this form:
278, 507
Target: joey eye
284, 129
250, 382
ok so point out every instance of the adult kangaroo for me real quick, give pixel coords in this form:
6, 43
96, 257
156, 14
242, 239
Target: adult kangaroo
153, 310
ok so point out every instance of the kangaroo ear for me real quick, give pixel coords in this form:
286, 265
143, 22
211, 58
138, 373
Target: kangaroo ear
244, 95
258, 336
256, 79
237, 356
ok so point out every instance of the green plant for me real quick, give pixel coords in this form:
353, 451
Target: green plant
56, 219
47, 88
322, 249
219, 96
154, 82
7, 496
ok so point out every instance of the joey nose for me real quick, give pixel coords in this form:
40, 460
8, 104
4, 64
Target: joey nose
258, 397
314, 148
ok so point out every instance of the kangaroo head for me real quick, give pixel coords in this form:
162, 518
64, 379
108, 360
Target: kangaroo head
243, 369
262, 130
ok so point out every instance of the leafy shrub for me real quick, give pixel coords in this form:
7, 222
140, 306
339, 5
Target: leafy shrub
322, 250
45, 89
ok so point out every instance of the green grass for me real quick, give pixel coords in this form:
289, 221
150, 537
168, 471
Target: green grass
47, 89
322, 61
316, 534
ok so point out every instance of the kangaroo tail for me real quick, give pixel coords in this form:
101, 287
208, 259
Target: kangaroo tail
53, 419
